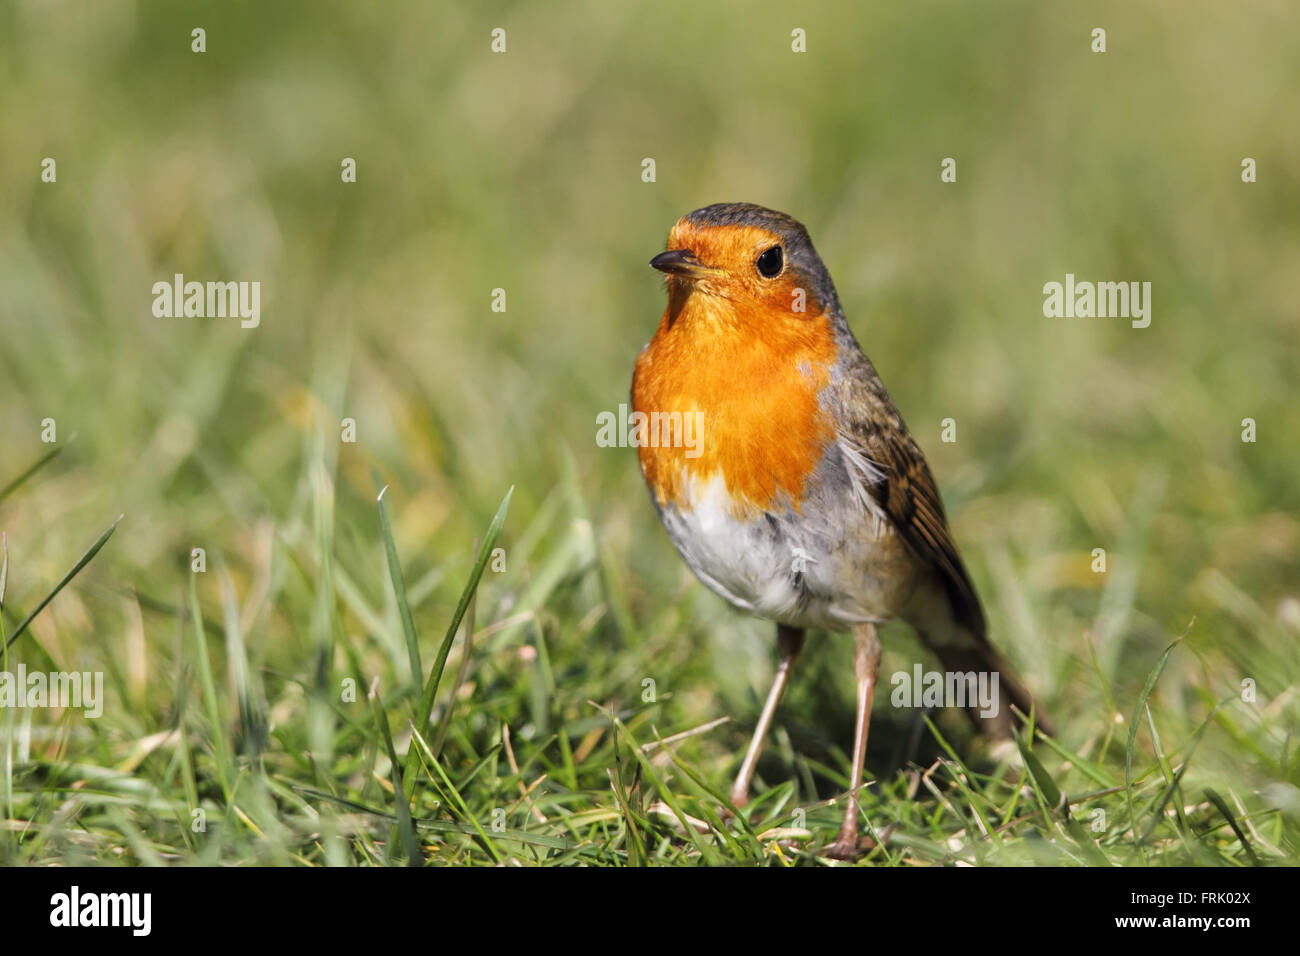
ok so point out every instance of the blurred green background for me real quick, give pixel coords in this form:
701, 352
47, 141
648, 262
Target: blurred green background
522, 171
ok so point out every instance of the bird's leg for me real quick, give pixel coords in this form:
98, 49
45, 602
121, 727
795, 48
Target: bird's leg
866, 659
789, 641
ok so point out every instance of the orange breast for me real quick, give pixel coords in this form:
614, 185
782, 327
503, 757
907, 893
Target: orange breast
753, 378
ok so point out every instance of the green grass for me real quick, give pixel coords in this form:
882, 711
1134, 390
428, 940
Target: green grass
313, 697
536, 769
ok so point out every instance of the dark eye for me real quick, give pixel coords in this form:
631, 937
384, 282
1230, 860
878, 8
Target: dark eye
770, 262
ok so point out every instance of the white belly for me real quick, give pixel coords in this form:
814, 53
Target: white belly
814, 569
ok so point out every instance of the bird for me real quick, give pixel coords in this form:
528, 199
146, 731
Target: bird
785, 476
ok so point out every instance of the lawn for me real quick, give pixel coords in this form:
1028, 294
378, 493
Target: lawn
501, 659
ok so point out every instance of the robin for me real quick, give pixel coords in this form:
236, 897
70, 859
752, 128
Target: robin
784, 474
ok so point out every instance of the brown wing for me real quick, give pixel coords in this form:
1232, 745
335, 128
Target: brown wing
907, 491
910, 498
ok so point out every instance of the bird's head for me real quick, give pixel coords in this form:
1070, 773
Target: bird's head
746, 262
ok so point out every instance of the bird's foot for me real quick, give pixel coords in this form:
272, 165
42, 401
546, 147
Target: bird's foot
845, 847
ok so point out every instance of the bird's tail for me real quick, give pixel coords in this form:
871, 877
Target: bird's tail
1014, 703
958, 639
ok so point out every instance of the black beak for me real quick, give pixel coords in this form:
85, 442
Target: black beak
681, 262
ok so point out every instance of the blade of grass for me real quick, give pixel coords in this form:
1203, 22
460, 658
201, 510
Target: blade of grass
541, 682
707, 797
435, 676
76, 568
1091, 770
963, 780
707, 851
1113, 706
1120, 592
467, 647
40, 463
399, 590
1147, 688
454, 799
1222, 807
1052, 795
252, 708
182, 706
611, 579
405, 830
1172, 788
636, 851
1166, 770
220, 741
